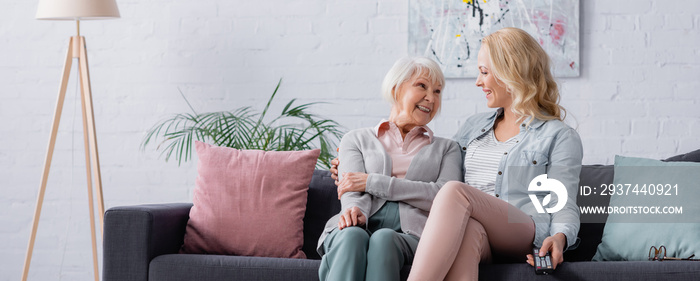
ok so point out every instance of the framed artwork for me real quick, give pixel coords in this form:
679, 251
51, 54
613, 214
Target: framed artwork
450, 31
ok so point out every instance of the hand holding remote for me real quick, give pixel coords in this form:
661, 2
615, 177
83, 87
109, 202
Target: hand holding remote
543, 265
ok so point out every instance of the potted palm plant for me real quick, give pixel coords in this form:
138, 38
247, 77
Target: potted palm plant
293, 129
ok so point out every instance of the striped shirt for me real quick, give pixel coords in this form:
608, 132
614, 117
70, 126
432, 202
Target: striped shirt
482, 158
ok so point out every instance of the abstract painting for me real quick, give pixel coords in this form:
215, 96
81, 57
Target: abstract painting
450, 31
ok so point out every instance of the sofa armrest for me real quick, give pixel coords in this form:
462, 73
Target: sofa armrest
134, 235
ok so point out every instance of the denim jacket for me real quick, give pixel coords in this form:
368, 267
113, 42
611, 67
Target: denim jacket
543, 147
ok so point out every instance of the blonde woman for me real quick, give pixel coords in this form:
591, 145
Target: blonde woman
389, 177
491, 212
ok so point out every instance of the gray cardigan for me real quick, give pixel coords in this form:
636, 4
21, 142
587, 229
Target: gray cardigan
433, 166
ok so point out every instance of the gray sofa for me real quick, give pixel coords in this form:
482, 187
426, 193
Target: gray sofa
142, 243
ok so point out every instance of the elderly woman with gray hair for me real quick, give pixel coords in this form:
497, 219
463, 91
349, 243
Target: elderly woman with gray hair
389, 178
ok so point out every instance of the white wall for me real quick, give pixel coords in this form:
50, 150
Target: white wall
640, 70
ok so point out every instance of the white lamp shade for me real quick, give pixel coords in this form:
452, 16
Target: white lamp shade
77, 9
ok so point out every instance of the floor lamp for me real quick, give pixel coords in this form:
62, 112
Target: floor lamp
74, 10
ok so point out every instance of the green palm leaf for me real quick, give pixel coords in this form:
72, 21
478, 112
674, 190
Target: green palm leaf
295, 128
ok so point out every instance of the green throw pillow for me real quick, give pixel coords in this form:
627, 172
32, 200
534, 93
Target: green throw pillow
641, 189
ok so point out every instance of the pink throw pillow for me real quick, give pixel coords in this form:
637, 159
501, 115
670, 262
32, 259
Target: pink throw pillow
249, 202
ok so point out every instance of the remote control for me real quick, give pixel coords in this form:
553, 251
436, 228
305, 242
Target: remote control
543, 265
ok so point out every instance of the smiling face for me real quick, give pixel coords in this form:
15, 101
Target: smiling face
496, 93
417, 102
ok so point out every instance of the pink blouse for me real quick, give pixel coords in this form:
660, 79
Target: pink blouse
402, 150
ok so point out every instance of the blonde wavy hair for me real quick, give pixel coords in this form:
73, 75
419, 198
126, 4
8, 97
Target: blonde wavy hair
520, 62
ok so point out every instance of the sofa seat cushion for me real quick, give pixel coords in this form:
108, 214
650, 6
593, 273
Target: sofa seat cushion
219, 267
216, 267
609, 270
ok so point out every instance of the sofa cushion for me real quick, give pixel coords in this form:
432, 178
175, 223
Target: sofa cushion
591, 230
693, 156
249, 202
217, 267
220, 267
594, 271
322, 205
628, 235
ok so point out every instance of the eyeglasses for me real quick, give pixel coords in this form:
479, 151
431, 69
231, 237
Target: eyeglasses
660, 254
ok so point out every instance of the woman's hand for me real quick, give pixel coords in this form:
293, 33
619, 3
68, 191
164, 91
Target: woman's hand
554, 245
351, 217
334, 169
352, 182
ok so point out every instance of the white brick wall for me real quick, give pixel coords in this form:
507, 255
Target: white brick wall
636, 95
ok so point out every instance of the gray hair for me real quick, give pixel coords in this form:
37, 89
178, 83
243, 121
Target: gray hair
404, 69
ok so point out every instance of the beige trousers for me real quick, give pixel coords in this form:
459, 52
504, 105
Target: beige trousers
464, 226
